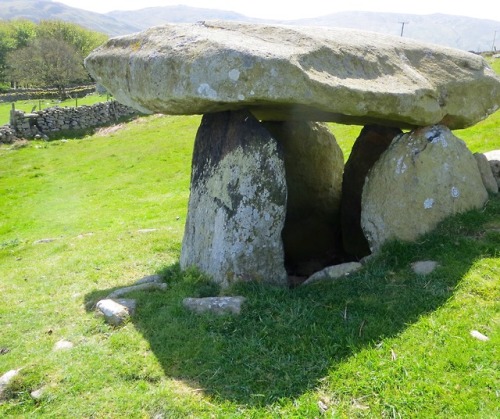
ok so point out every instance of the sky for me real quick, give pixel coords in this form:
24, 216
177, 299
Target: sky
296, 9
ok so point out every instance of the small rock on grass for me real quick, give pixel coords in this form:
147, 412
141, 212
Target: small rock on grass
37, 394
41, 241
5, 380
116, 312
217, 305
63, 345
155, 279
334, 272
148, 286
479, 336
424, 267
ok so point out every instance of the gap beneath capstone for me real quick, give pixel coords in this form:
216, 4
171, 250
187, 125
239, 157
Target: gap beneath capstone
314, 165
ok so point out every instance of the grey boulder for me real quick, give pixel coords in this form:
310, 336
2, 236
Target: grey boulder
421, 179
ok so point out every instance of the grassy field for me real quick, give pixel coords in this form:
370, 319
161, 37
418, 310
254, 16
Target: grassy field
27, 105
79, 218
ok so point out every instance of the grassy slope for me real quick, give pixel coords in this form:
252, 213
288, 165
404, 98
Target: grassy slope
385, 342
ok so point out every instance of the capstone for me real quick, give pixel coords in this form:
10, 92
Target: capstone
287, 72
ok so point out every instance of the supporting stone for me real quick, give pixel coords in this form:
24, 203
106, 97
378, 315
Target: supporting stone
371, 143
423, 177
237, 203
314, 164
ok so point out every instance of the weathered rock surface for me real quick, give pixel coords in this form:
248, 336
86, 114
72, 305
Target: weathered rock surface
423, 177
217, 305
373, 140
489, 181
334, 272
237, 204
313, 164
285, 72
494, 160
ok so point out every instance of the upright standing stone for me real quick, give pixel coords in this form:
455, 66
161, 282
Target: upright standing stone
422, 178
371, 143
314, 164
493, 158
237, 204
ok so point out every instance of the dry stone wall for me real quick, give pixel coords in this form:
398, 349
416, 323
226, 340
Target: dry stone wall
51, 121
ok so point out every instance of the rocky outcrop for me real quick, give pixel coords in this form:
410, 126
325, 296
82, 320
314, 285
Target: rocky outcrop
289, 73
373, 140
422, 178
237, 203
313, 164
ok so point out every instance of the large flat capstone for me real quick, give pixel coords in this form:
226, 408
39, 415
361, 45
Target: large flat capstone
286, 73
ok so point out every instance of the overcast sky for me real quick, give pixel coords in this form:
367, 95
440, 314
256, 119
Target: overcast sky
294, 9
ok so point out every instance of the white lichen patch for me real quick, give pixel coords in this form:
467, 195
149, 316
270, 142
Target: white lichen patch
428, 203
205, 90
234, 74
401, 166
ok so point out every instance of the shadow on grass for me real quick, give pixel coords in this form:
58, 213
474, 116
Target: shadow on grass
286, 341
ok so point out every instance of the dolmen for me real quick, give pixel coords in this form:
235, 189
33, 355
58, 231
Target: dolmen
271, 198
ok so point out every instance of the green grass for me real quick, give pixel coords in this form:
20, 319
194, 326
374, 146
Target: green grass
27, 105
384, 342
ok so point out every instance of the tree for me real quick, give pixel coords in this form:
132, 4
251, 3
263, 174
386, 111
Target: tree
47, 62
82, 39
13, 35
20, 33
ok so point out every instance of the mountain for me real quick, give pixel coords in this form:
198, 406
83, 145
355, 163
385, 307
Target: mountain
154, 16
461, 32
36, 10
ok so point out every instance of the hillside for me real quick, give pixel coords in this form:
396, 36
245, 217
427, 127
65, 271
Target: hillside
461, 32
455, 31
153, 16
36, 10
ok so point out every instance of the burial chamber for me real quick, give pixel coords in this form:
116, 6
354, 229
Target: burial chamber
268, 180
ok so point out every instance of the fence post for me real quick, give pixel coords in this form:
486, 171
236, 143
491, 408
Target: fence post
13, 115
